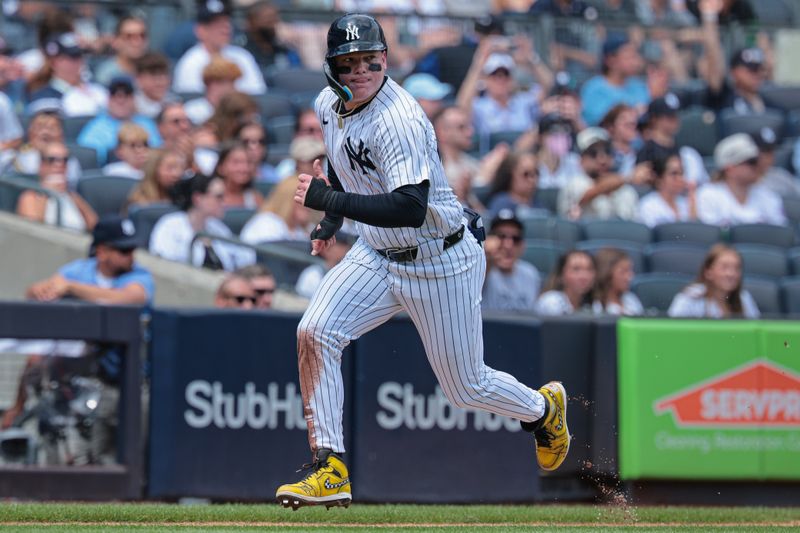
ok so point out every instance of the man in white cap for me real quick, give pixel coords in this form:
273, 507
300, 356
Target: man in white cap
735, 197
596, 192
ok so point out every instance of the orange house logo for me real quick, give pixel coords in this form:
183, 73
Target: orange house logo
760, 394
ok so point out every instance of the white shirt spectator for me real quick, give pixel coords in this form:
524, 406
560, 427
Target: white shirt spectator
621, 203
691, 302
198, 110
654, 210
515, 291
266, 227
554, 303
62, 205
188, 75
630, 306
520, 114
693, 167
717, 205
172, 236
10, 128
123, 169
568, 166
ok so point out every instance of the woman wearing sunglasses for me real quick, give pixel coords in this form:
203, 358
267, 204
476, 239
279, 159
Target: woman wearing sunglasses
735, 196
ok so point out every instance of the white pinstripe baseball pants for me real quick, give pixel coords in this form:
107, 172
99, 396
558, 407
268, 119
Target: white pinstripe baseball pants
441, 295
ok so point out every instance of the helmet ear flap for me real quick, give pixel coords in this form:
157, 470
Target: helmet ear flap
342, 91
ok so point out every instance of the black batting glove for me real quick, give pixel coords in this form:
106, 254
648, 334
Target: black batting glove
327, 228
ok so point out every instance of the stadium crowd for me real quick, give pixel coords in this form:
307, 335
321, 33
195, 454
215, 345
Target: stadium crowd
611, 158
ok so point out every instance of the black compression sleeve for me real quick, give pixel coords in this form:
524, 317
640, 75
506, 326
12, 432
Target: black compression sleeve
332, 222
405, 206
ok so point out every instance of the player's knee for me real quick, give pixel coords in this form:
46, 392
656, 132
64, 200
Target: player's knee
462, 396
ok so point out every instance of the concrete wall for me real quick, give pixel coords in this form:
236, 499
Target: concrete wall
30, 252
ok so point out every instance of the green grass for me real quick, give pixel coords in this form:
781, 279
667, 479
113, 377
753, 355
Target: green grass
82, 517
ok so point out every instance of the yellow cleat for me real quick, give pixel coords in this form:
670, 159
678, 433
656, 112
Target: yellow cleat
327, 484
552, 438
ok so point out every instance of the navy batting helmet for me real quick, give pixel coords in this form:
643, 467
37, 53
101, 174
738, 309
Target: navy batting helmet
350, 33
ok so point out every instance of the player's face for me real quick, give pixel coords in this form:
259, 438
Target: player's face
362, 72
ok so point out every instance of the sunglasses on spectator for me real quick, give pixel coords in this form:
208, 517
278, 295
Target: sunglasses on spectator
53, 159
515, 237
242, 299
261, 140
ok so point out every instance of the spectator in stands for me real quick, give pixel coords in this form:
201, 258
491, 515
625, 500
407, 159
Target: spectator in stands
234, 109
52, 21
234, 167
776, 179
595, 191
620, 123
569, 288
131, 151
612, 294
61, 206
261, 29
736, 197
214, 31
219, 78
306, 125
311, 276
280, 218
428, 91
60, 79
717, 292
557, 161
101, 132
515, 183
12, 73
152, 84
130, 44
254, 138
511, 284
263, 283
620, 81
664, 13
663, 124
175, 129
570, 49
503, 107
747, 67
454, 137
235, 292
727, 10
673, 199
175, 238
44, 128
163, 170
564, 101
10, 128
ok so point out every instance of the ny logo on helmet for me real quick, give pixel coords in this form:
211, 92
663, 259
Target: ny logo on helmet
352, 32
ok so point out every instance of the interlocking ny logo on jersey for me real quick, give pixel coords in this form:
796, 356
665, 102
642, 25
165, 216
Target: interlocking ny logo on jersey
352, 32
360, 157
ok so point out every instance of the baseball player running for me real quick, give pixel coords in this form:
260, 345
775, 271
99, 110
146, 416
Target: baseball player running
414, 254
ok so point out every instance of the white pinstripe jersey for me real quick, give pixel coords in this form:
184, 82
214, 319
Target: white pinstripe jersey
387, 144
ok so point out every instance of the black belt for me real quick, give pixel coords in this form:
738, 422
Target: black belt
409, 254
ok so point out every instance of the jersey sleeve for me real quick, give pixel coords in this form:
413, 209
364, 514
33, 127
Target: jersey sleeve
401, 150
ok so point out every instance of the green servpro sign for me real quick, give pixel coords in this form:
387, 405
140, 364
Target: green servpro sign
709, 399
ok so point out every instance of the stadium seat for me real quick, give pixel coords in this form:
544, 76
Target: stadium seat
687, 233
264, 187
273, 105
791, 208
280, 130
548, 198
508, 137
765, 292
298, 80
698, 130
621, 230
236, 217
9, 194
793, 255
277, 153
86, 156
762, 234
773, 12
691, 92
785, 98
481, 192
565, 232
106, 194
731, 122
763, 260
790, 294
144, 218
543, 254
656, 291
784, 153
286, 271
191, 95
675, 258
633, 250
73, 126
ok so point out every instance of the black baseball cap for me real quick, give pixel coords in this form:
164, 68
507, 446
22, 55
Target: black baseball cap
120, 83
208, 10
752, 58
116, 232
667, 105
489, 25
766, 139
554, 122
506, 216
63, 44
613, 44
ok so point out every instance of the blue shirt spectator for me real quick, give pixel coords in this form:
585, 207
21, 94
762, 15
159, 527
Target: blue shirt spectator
86, 271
